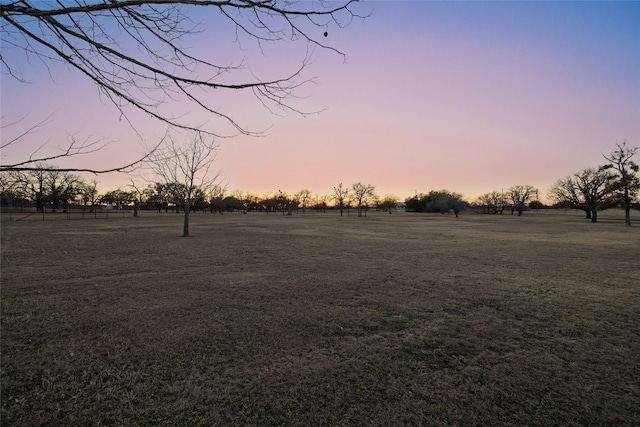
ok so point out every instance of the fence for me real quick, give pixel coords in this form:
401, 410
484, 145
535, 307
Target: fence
30, 214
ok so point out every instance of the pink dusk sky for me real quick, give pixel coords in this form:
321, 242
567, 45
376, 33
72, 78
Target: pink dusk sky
466, 96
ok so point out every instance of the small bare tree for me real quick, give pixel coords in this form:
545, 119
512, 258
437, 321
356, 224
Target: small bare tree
520, 195
340, 195
303, 196
185, 167
492, 203
362, 194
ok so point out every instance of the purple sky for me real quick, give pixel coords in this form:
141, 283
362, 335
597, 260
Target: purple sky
468, 96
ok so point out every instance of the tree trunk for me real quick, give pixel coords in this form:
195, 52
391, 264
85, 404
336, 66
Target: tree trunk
627, 206
594, 216
185, 228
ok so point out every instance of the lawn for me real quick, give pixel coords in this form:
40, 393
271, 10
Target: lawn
317, 319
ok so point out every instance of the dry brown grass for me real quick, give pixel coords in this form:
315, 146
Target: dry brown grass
320, 320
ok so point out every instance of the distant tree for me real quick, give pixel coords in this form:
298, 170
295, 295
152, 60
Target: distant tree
303, 196
536, 204
588, 190
47, 185
33, 185
340, 194
118, 198
284, 202
185, 167
232, 203
388, 202
519, 196
11, 192
139, 196
362, 194
161, 196
627, 184
492, 203
216, 197
444, 201
414, 204
320, 202
199, 201
89, 194
566, 193
70, 189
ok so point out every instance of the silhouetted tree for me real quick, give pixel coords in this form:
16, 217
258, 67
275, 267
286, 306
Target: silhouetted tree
303, 196
362, 194
627, 183
118, 198
519, 196
185, 168
216, 197
492, 203
388, 202
89, 194
340, 194
588, 190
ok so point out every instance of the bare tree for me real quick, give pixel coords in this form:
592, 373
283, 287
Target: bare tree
492, 203
303, 196
519, 196
588, 190
33, 185
47, 185
8, 190
320, 201
137, 53
340, 194
362, 193
89, 194
388, 202
186, 167
627, 183
141, 195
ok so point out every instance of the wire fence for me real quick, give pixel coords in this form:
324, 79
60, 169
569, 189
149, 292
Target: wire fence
31, 214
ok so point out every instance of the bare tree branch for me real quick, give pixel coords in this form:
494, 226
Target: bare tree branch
159, 69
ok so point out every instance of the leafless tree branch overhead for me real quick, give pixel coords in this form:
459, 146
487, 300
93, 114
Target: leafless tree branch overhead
137, 53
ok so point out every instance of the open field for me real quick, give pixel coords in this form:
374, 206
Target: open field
314, 319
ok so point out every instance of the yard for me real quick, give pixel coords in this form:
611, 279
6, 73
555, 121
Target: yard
317, 319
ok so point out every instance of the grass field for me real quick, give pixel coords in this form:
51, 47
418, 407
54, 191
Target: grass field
314, 319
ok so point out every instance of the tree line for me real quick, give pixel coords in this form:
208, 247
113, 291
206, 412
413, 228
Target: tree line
613, 184
52, 190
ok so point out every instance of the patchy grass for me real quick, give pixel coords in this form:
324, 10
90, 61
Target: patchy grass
320, 320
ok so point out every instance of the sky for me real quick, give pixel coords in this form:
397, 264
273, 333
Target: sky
471, 97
